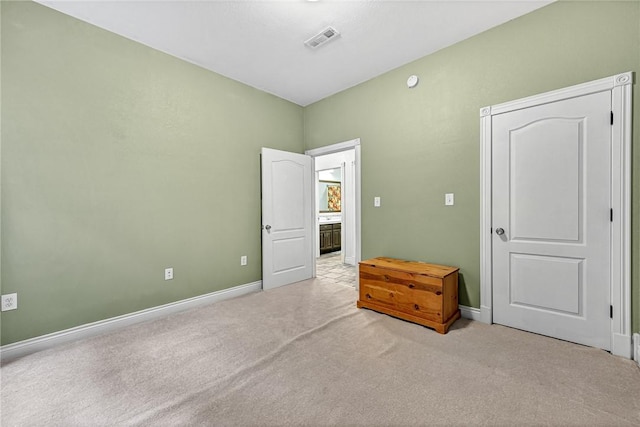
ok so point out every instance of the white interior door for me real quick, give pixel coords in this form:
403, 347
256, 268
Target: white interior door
287, 218
551, 219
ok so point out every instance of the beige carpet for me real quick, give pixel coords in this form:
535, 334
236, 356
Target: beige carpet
305, 355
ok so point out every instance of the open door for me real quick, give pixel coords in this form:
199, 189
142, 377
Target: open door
287, 218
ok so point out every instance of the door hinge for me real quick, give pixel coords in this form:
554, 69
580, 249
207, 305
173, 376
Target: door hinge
611, 215
612, 118
611, 312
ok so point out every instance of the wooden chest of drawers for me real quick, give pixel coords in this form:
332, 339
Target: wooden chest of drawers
422, 293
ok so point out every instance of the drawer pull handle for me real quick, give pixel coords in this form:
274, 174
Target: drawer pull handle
411, 285
416, 306
368, 296
386, 278
439, 293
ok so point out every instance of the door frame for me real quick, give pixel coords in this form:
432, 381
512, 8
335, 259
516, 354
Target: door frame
336, 148
620, 86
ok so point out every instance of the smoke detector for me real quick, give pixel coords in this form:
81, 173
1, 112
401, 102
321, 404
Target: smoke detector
322, 37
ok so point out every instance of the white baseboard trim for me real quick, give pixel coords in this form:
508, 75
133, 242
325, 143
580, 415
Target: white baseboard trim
636, 348
486, 314
470, 313
32, 345
622, 345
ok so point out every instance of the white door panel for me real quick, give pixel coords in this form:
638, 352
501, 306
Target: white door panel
546, 165
534, 277
287, 218
551, 196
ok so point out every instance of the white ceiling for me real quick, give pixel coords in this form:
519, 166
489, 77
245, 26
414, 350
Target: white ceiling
261, 42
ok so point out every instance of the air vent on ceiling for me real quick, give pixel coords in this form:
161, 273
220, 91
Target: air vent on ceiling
323, 37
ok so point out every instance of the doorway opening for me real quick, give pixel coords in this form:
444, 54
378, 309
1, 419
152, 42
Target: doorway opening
337, 211
330, 268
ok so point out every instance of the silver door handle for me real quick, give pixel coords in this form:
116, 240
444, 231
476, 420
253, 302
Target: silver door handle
268, 227
499, 231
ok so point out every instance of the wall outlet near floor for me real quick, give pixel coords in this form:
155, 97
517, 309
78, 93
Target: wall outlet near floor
168, 273
9, 302
243, 260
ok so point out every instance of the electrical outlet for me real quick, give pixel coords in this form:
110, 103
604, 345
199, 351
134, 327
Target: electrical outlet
168, 273
376, 202
9, 302
243, 260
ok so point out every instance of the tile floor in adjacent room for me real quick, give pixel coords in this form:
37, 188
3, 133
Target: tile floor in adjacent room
330, 267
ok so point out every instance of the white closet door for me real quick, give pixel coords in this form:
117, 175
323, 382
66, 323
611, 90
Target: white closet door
551, 219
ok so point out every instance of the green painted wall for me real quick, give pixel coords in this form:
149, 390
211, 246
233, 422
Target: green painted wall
119, 161
419, 144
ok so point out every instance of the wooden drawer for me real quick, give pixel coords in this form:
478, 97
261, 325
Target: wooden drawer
404, 299
422, 293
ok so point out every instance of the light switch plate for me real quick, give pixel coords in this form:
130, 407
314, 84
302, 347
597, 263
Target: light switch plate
376, 202
448, 199
9, 302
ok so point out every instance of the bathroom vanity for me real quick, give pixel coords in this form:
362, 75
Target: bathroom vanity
330, 237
